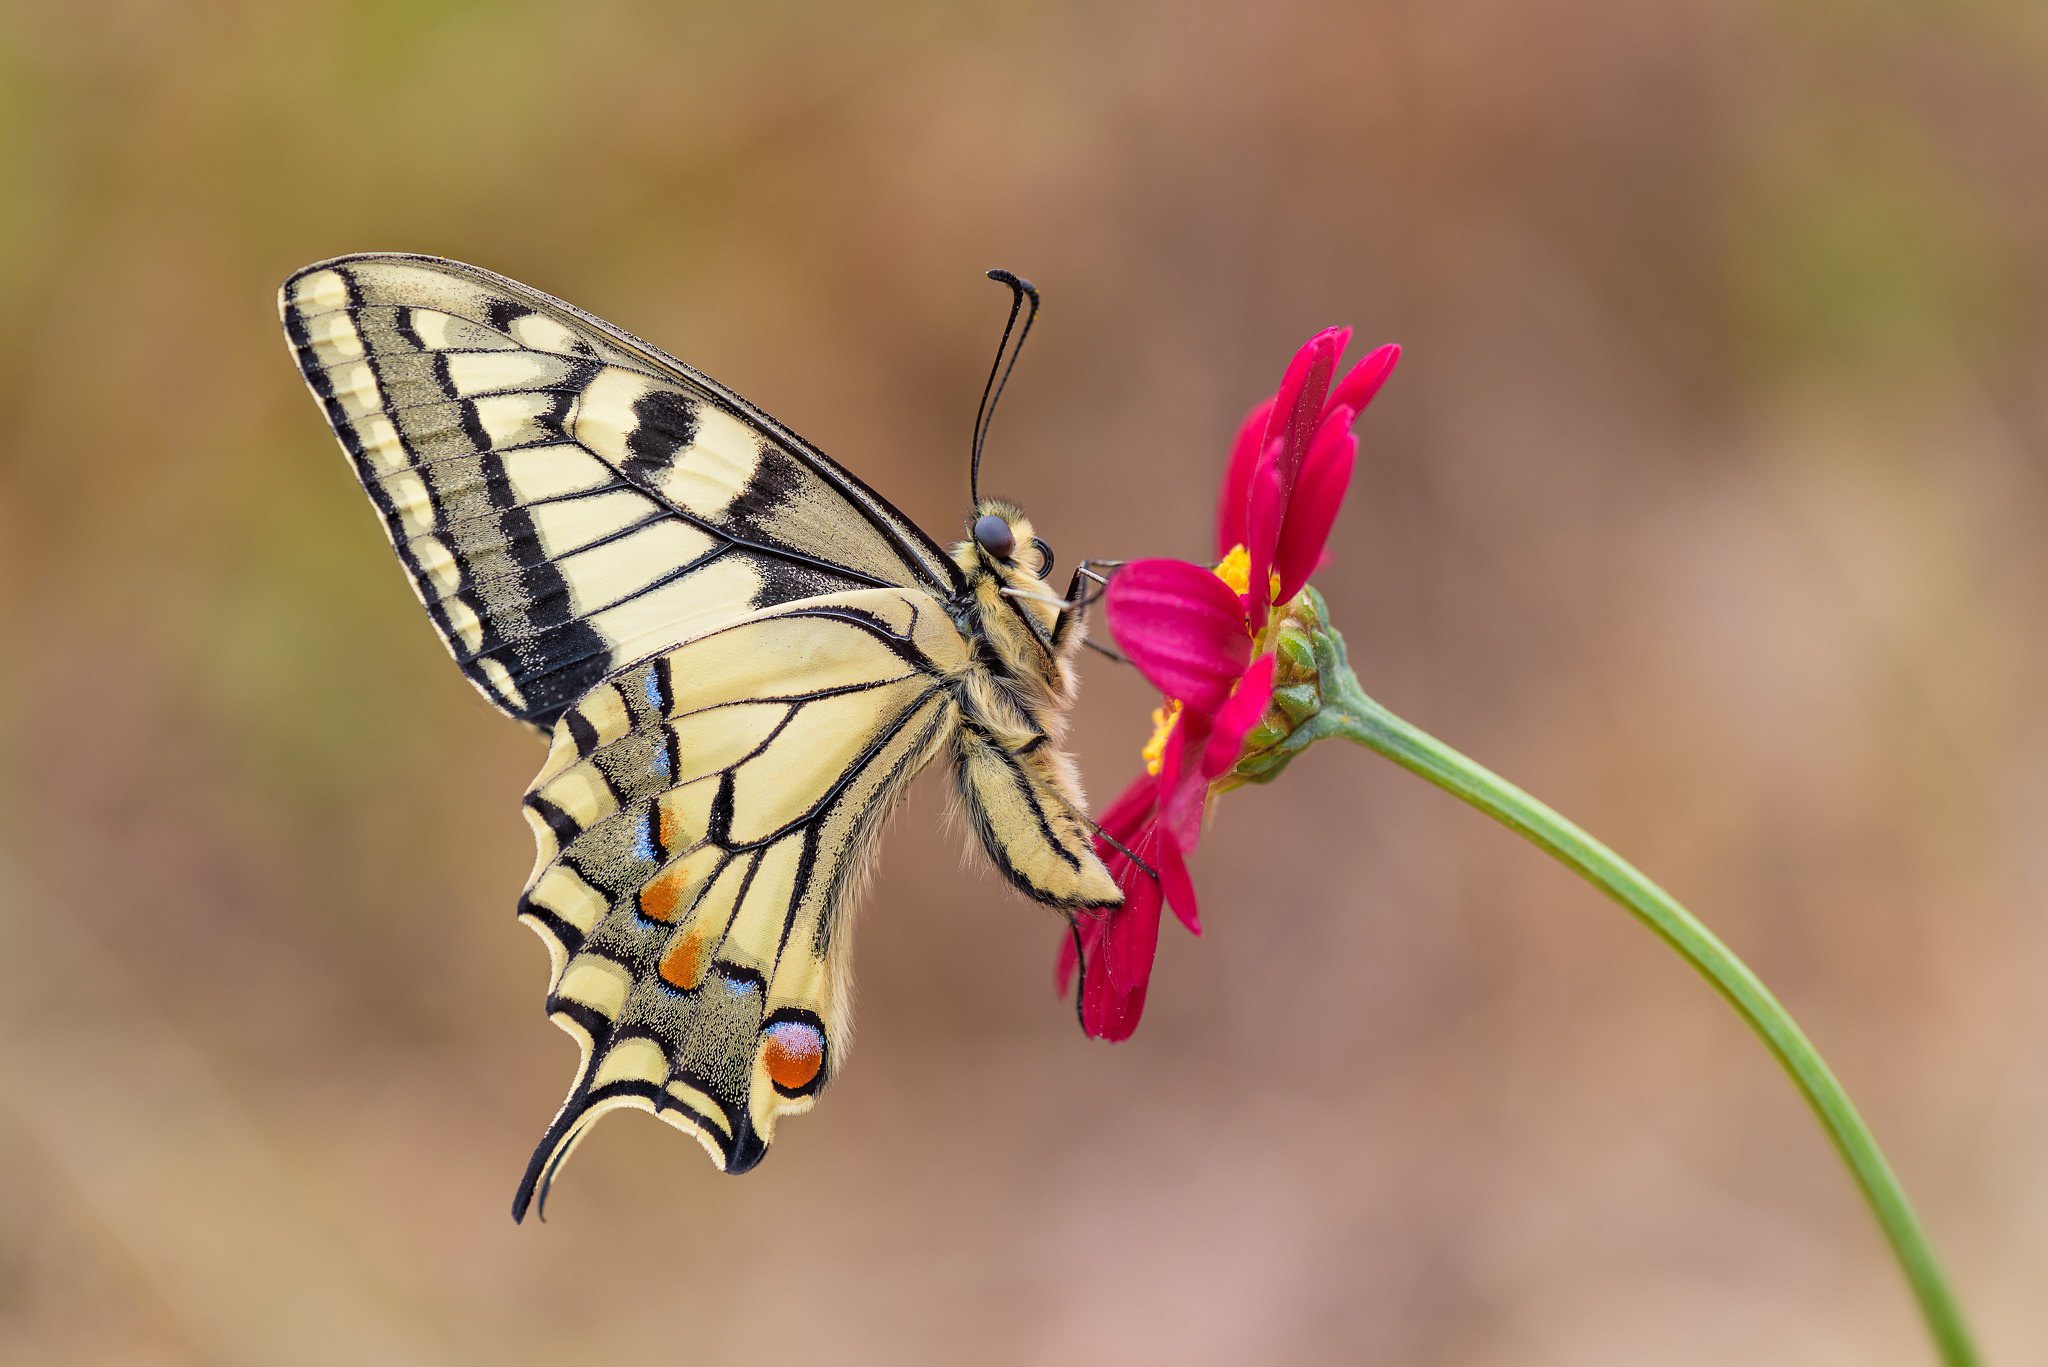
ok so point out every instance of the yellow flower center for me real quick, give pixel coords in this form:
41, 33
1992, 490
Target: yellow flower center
1236, 569
1164, 719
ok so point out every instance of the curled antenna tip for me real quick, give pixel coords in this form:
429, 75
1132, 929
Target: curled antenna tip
1014, 281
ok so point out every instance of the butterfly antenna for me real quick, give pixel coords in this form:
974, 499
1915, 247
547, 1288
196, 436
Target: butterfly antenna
999, 373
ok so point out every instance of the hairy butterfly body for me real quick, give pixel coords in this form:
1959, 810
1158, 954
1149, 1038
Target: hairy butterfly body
741, 656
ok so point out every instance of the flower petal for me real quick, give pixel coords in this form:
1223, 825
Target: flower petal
1107, 1014
1299, 404
1176, 884
1183, 790
1183, 628
1363, 381
1317, 496
1131, 939
1236, 719
1266, 516
1123, 817
1237, 480
1170, 759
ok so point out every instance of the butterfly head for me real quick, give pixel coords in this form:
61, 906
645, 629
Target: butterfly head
1005, 567
1000, 543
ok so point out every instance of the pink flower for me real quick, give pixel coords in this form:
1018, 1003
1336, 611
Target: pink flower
1290, 467
1198, 633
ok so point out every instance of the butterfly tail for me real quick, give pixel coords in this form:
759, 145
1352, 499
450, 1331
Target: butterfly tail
732, 1140
564, 1133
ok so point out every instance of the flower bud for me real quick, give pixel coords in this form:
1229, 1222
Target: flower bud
1300, 640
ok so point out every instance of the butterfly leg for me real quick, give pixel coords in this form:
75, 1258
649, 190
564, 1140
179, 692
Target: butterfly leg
1123, 849
1083, 591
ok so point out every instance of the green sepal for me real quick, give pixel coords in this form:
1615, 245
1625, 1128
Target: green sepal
1305, 648
1297, 702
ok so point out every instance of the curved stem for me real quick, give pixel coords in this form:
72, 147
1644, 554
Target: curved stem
1349, 713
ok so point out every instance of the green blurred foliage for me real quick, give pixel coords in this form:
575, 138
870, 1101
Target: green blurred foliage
1864, 250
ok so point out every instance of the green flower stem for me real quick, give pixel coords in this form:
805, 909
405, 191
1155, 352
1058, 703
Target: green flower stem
1348, 713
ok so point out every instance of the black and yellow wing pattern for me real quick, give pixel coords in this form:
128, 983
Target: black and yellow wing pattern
741, 655
566, 498
701, 819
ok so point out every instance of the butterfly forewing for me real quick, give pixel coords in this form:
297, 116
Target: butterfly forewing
566, 498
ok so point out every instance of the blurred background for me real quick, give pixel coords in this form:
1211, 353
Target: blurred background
1707, 503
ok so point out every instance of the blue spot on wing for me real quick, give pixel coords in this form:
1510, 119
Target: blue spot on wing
661, 766
734, 986
650, 684
645, 848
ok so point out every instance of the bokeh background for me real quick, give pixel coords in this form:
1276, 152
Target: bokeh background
1708, 503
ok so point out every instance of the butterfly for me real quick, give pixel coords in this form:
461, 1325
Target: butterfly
740, 656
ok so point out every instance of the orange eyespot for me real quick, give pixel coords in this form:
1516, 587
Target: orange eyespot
795, 1054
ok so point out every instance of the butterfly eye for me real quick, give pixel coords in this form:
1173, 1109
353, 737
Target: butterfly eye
1044, 557
993, 535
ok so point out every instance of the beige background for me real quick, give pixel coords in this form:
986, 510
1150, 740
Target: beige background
1707, 503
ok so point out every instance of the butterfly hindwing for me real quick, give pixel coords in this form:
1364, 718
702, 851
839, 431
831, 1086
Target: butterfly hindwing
566, 498
702, 821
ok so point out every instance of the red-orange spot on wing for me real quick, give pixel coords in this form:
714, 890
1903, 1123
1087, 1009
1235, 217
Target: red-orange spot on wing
667, 826
682, 966
663, 895
794, 1053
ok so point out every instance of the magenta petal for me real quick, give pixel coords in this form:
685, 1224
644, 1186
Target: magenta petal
1267, 515
1132, 939
1287, 399
1299, 404
1175, 883
1081, 946
1237, 480
1124, 817
1313, 511
1237, 717
1181, 819
1169, 760
1334, 423
1183, 787
1356, 389
1107, 1014
1182, 627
